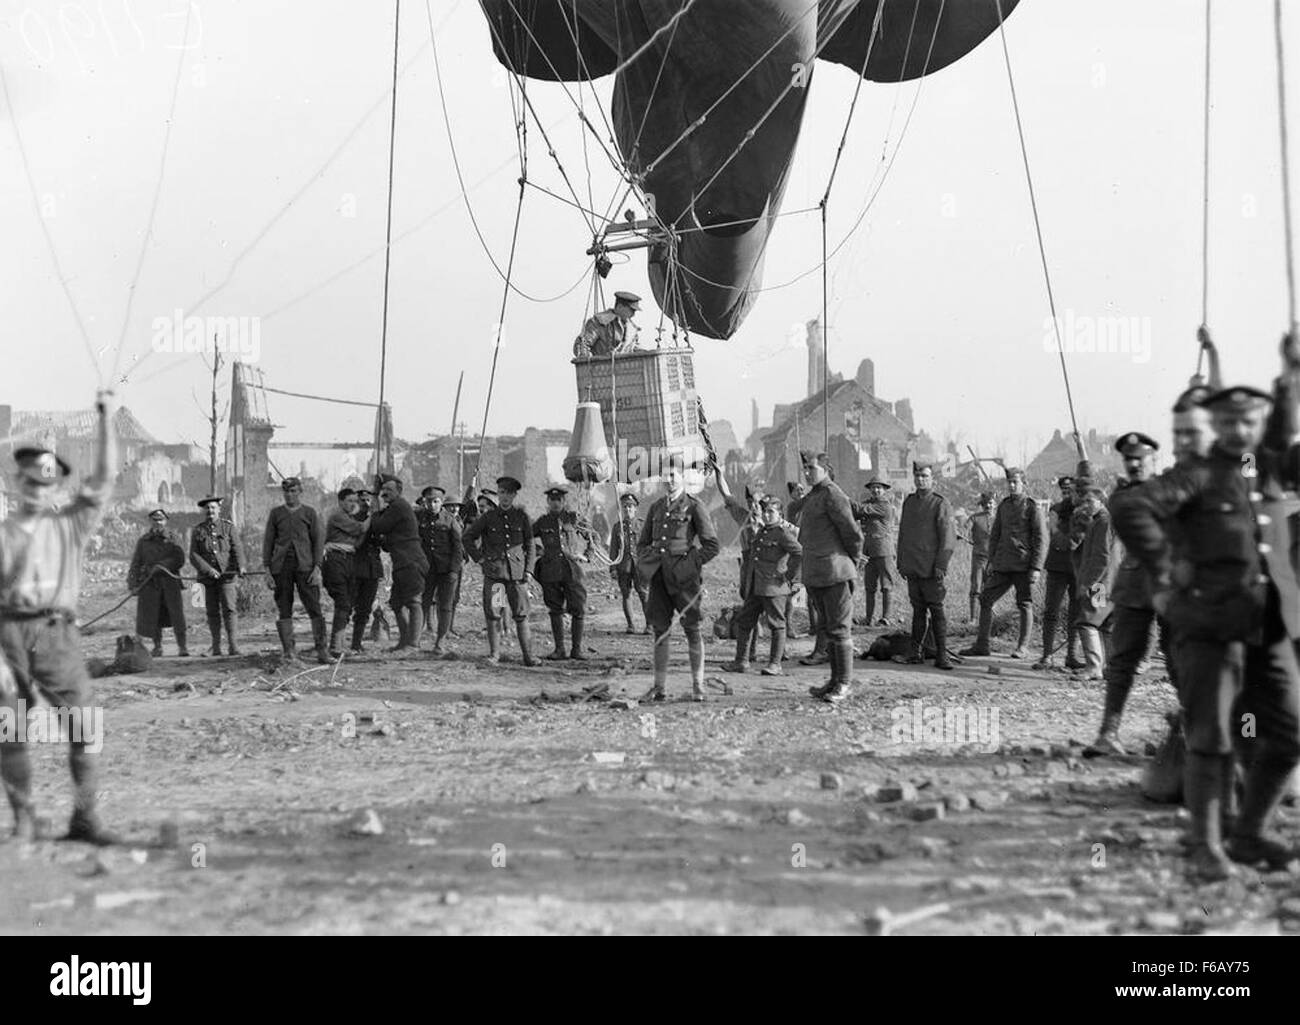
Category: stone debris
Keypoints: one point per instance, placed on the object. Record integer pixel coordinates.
(892, 792)
(831, 781)
(366, 823)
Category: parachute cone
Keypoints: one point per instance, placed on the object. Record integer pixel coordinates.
(588, 459)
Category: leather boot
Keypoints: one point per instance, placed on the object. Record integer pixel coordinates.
(1107, 742)
(84, 826)
(557, 635)
(494, 641)
(776, 652)
(157, 645)
(414, 625)
(1093, 658)
(318, 640)
(358, 635)
(695, 653)
(657, 692)
(753, 644)
(1203, 786)
(181, 650)
(231, 621)
(1026, 627)
(1266, 782)
(974, 608)
(981, 645)
(1073, 640)
(214, 628)
(870, 617)
(885, 598)
(915, 653)
(525, 643)
(576, 630)
(740, 664)
(1049, 641)
(841, 685)
(288, 650)
(818, 655)
(939, 624)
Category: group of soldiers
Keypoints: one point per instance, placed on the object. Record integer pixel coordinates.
(1200, 560)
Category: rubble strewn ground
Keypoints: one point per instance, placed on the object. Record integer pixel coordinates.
(405, 796)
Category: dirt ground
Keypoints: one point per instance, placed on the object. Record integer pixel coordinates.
(510, 804)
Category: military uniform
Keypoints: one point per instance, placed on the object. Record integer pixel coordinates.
(218, 557)
(1092, 576)
(1060, 582)
(607, 333)
(293, 548)
(1134, 616)
(1017, 551)
(367, 573)
(400, 536)
(440, 538)
(981, 528)
(771, 573)
(926, 541)
(832, 546)
(622, 565)
(1210, 534)
(155, 576)
(41, 550)
(676, 541)
(501, 542)
(343, 532)
(566, 547)
(876, 516)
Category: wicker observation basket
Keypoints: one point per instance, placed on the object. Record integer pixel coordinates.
(648, 402)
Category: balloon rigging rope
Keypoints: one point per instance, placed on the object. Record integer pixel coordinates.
(388, 248)
(1038, 230)
(1286, 173)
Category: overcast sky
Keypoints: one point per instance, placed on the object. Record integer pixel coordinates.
(941, 284)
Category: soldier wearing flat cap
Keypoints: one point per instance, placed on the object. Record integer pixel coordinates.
(1017, 552)
(981, 528)
(610, 332)
(832, 549)
(565, 542)
(367, 572)
(440, 537)
(155, 578)
(293, 549)
(218, 557)
(1060, 580)
(41, 549)
(1211, 535)
(622, 558)
(677, 540)
(501, 542)
(399, 535)
(772, 574)
(1135, 614)
(926, 541)
(875, 514)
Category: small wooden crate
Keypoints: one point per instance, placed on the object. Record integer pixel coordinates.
(647, 400)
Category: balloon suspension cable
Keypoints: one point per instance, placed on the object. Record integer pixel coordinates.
(1205, 200)
(1286, 172)
(381, 428)
(521, 127)
(1038, 231)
